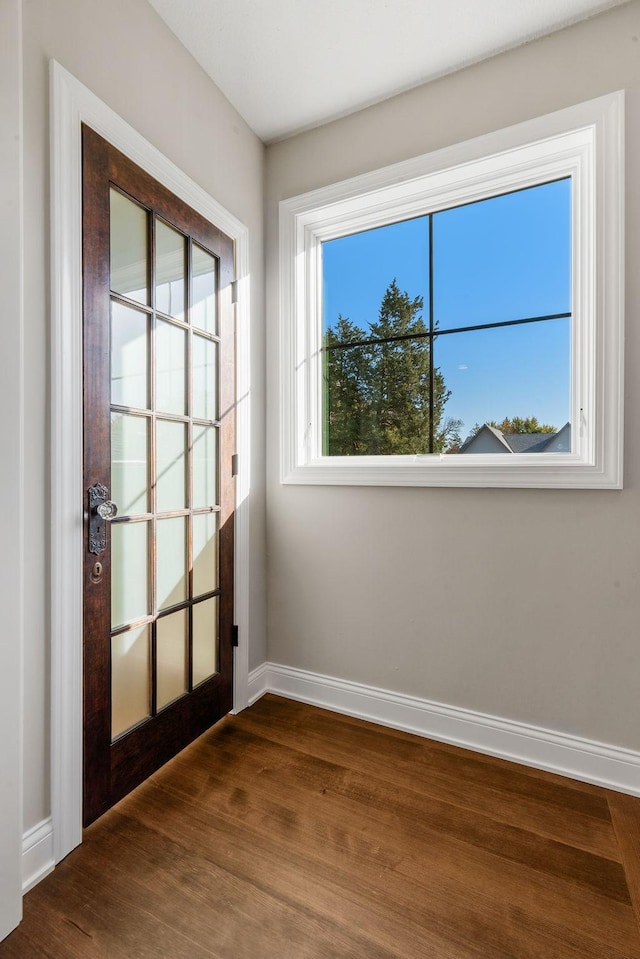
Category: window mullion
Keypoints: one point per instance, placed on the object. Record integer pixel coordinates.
(431, 338)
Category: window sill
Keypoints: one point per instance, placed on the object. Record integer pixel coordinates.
(552, 471)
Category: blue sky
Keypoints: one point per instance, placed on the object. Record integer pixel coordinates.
(502, 259)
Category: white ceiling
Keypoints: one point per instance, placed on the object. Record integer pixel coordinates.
(287, 65)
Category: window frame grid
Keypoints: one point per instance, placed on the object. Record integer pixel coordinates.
(430, 335)
(152, 416)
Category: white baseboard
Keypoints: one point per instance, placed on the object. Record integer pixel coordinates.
(259, 683)
(37, 854)
(592, 762)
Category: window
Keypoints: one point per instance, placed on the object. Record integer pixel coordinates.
(437, 325)
(465, 302)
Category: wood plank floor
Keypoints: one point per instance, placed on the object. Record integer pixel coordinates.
(289, 832)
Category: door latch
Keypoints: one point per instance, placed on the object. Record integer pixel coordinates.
(101, 509)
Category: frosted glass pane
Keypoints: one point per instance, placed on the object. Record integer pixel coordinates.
(205, 379)
(130, 463)
(205, 640)
(171, 553)
(170, 260)
(171, 392)
(205, 466)
(171, 651)
(129, 353)
(129, 572)
(203, 308)
(130, 693)
(205, 552)
(171, 441)
(129, 248)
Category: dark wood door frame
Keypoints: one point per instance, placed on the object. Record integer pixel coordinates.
(112, 770)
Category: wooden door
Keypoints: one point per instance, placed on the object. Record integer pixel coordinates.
(158, 442)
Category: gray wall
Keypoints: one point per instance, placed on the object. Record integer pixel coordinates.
(125, 54)
(520, 603)
(10, 470)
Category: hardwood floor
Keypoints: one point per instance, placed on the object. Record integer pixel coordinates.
(289, 832)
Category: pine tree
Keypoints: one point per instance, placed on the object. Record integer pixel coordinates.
(400, 377)
(378, 395)
(348, 417)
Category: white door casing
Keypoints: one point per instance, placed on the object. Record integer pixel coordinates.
(71, 105)
(11, 467)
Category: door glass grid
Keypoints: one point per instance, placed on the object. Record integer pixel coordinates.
(164, 462)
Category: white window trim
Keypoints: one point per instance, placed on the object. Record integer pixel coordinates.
(584, 142)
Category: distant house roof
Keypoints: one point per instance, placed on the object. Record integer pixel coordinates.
(527, 442)
(488, 439)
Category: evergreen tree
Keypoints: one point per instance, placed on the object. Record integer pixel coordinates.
(348, 417)
(378, 395)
